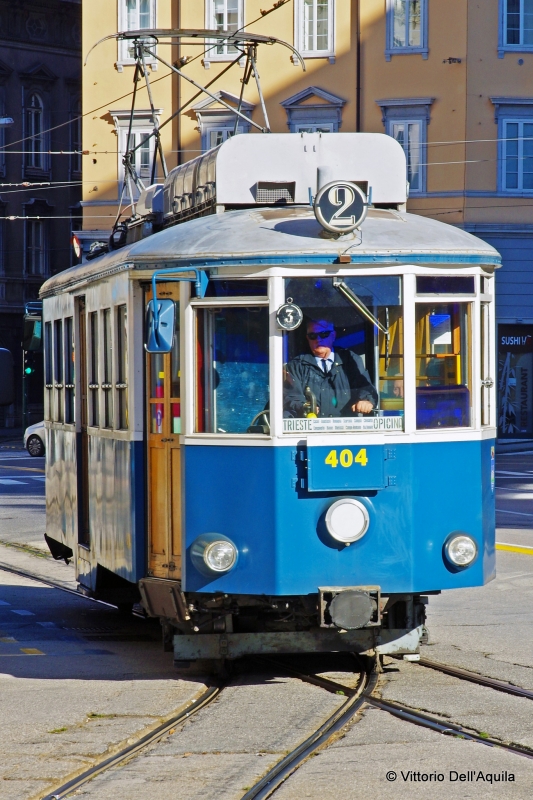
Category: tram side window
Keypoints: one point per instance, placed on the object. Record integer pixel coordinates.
(122, 352)
(69, 371)
(107, 385)
(232, 370)
(345, 360)
(93, 379)
(48, 369)
(58, 369)
(443, 365)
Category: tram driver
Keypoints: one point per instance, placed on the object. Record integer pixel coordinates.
(335, 377)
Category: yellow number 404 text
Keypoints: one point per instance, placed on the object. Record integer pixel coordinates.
(346, 458)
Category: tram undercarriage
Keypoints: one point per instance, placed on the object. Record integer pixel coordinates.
(355, 619)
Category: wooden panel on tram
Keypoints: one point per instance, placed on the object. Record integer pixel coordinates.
(164, 456)
(175, 456)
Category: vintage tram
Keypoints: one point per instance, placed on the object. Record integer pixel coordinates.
(184, 473)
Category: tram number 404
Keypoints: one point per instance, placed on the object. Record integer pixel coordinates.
(346, 458)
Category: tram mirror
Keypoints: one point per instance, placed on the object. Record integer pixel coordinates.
(7, 384)
(160, 330)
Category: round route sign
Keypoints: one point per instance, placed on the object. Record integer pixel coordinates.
(340, 206)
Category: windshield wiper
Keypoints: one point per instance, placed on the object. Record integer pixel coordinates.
(356, 301)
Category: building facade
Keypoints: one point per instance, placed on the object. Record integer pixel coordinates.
(459, 98)
(322, 98)
(40, 176)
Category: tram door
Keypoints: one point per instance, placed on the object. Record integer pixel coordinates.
(163, 378)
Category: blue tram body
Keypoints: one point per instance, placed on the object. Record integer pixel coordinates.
(276, 525)
(190, 478)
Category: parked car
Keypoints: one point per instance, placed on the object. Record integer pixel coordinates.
(34, 439)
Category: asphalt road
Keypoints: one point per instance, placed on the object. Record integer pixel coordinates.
(22, 503)
(514, 498)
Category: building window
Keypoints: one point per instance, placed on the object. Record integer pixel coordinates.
(2, 133)
(314, 24)
(323, 128)
(406, 27)
(223, 15)
(75, 137)
(140, 141)
(36, 247)
(134, 15)
(314, 110)
(406, 120)
(517, 161)
(217, 123)
(518, 22)
(35, 157)
(514, 117)
(142, 145)
(408, 133)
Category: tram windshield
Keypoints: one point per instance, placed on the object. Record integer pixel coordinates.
(232, 370)
(343, 367)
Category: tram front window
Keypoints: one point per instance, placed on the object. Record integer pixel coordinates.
(232, 370)
(343, 367)
(443, 369)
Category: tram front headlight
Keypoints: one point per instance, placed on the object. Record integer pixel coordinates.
(347, 520)
(213, 553)
(461, 550)
(220, 556)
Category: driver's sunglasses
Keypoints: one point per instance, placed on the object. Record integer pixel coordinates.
(319, 335)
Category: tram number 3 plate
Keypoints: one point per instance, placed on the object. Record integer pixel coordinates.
(346, 458)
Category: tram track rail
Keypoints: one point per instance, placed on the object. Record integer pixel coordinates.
(357, 697)
(71, 785)
(360, 697)
(474, 677)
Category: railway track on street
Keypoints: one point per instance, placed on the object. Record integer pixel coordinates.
(356, 700)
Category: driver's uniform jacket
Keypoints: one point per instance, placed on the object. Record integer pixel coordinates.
(336, 391)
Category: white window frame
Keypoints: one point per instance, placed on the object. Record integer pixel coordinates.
(391, 49)
(299, 31)
(325, 127)
(124, 58)
(225, 130)
(391, 122)
(143, 125)
(210, 24)
(520, 121)
(503, 45)
(137, 130)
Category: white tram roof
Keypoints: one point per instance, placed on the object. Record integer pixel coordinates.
(286, 236)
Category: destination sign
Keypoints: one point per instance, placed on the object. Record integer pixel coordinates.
(343, 424)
